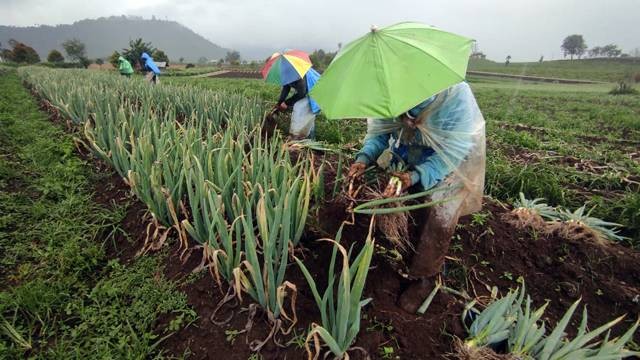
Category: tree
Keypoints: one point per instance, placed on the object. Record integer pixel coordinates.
(221, 62)
(573, 45)
(135, 50)
(181, 60)
(202, 60)
(611, 50)
(75, 50)
(321, 59)
(595, 51)
(21, 53)
(55, 56)
(99, 61)
(6, 54)
(159, 55)
(507, 60)
(233, 57)
(113, 59)
(541, 59)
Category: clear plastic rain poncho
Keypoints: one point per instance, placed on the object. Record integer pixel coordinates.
(449, 142)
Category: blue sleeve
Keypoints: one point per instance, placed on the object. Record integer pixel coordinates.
(435, 168)
(372, 148)
(430, 172)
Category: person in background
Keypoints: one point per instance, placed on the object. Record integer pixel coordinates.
(302, 125)
(441, 142)
(124, 67)
(152, 71)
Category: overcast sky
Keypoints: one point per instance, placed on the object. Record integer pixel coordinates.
(524, 29)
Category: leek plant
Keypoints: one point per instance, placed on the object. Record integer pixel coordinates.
(507, 319)
(373, 207)
(602, 230)
(536, 207)
(198, 161)
(341, 303)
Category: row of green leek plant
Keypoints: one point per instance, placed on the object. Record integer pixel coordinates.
(75, 93)
(198, 161)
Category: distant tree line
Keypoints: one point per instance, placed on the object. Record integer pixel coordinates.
(19, 53)
(575, 45)
(321, 59)
(609, 51)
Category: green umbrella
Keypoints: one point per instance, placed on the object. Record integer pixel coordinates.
(389, 71)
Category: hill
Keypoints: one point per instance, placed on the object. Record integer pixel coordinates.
(584, 69)
(104, 35)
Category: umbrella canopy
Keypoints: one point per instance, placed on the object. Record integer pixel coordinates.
(388, 71)
(282, 69)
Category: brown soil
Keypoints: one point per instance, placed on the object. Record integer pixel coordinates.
(239, 75)
(555, 269)
(481, 255)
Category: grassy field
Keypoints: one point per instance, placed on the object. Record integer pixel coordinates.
(198, 70)
(609, 70)
(571, 144)
(61, 295)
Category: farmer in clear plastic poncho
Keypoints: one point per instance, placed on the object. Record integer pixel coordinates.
(442, 140)
(152, 71)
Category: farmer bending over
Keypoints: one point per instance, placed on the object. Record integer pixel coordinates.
(152, 71)
(304, 108)
(442, 142)
(124, 67)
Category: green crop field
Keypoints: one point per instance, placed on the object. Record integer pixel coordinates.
(581, 147)
(607, 70)
(164, 222)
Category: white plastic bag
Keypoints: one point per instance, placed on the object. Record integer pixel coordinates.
(302, 119)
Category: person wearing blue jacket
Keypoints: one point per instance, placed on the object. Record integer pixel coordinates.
(304, 112)
(150, 68)
(440, 144)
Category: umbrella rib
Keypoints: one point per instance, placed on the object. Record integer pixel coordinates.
(385, 75)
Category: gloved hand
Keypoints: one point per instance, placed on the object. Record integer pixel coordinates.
(398, 184)
(356, 170)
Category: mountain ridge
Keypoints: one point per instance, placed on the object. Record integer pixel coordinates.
(105, 34)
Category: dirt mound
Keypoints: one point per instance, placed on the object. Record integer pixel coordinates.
(238, 75)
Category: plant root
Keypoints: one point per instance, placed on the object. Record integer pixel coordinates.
(522, 218)
(576, 231)
(395, 228)
(464, 352)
